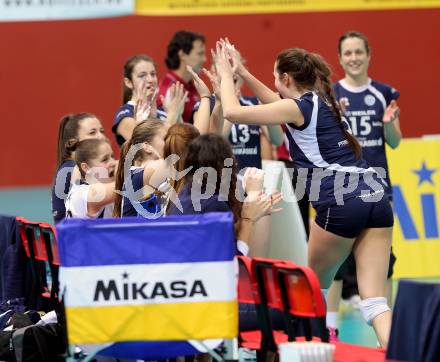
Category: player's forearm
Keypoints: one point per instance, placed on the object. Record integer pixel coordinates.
(276, 135)
(393, 134)
(245, 231)
(230, 103)
(173, 117)
(216, 121)
(260, 90)
(202, 116)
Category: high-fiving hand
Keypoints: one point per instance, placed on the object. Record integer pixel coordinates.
(174, 100)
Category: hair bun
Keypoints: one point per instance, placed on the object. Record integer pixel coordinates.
(72, 144)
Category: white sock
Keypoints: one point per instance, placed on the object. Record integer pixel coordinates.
(332, 319)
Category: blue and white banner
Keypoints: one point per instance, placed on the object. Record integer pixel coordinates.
(142, 288)
(29, 10)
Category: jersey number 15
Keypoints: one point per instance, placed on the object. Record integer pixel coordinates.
(364, 123)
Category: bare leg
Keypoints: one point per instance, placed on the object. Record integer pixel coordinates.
(372, 254)
(389, 292)
(326, 253)
(334, 296)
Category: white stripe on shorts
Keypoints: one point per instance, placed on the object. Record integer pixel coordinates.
(328, 216)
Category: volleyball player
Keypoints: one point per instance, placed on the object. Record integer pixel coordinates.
(149, 138)
(371, 110)
(93, 196)
(73, 128)
(245, 140)
(140, 79)
(351, 212)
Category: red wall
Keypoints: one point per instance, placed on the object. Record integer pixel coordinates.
(48, 69)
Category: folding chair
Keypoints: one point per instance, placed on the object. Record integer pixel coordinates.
(247, 293)
(247, 339)
(36, 254)
(48, 236)
(301, 297)
(268, 297)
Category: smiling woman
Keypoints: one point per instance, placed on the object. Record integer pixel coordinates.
(93, 197)
(73, 128)
(371, 111)
(139, 75)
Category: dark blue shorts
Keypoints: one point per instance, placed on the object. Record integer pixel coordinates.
(355, 215)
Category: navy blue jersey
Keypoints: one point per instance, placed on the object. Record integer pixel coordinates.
(127, 110)
(319, 148)
(211, 204)
(244, 138)
(60, 189)
(365, 110)
(151, 204)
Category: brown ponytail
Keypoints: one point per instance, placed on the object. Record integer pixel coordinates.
(143, 132)
(310, 71)
(119, 178)
(325, 90)
(68, 135)
(176, 143)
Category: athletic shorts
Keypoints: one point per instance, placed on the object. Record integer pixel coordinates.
(348, 268)
(348, 220)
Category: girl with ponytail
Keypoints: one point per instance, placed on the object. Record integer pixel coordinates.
(351, 212)
(140, 81)
(141, 170)
(73, 128)
(152, 180)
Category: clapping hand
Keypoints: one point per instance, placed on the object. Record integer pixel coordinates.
(392, 112)
(253, 180)
(145, 100)
(260, 206)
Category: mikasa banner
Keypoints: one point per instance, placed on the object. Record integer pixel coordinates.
(135, 279)
(28, 10)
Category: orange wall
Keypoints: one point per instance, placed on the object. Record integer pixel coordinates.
(48, 69)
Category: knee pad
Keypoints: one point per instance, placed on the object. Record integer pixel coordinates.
(372, 307)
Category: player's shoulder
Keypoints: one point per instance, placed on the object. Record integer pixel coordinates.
(126, 110)
(382, 87)
(337, 86)
(388, 91)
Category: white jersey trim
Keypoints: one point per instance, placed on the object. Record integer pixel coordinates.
(307, 140)
(378, 94)
(354, 89)
(246, 101)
